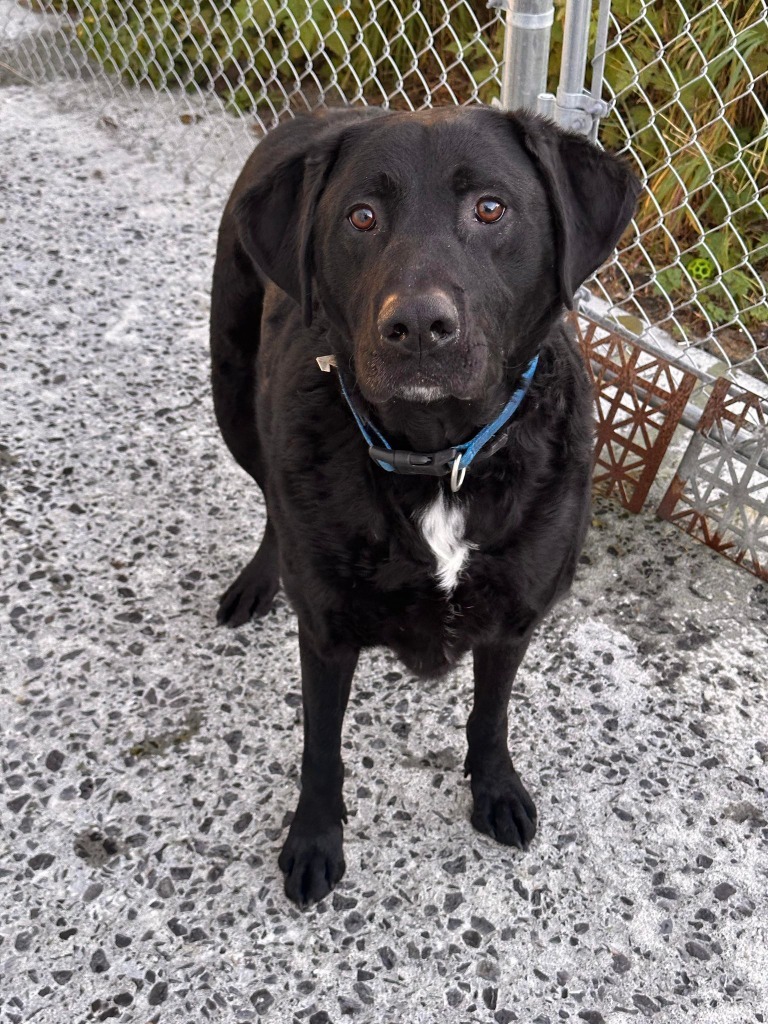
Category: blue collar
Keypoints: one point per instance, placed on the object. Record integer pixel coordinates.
(455, 460)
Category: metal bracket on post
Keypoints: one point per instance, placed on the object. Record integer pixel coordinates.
(545, 104)
(579, 111)
(575, 108)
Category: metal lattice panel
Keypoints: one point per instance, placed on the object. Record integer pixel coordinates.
(639, 400)
(720, 491)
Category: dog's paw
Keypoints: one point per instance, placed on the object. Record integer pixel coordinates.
(251, 595)
(503, 809)
(312, 862)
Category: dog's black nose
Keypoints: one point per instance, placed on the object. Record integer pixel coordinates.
(419, 323)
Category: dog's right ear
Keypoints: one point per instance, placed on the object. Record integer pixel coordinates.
(279, 192)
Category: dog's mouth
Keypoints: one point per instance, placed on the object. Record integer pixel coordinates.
(458, 374)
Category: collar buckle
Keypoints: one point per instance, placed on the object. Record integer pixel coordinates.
(414, 463)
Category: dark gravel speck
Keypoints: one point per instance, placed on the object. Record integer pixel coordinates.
(457, 866)
(697, 950)
(354, 922)
(99, 962)
(645, 1005)
(54, 760)
(620, 963)
(41, 861)
(262, 1000)
(724, 890)
(158, 993)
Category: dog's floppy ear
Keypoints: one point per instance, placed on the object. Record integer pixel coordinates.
(275, 212)
(592, 196)
(275, 198)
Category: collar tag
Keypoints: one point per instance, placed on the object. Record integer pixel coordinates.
(326, 362)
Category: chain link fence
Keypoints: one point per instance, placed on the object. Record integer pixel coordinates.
(266, 59)
(688, 85)
(680, 87)
(687, 82)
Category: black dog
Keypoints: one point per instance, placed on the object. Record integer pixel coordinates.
(432, 254)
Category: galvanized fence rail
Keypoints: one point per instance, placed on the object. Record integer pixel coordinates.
(680, 87)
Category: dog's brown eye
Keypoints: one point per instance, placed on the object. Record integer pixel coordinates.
(489, 210)
(363, 218)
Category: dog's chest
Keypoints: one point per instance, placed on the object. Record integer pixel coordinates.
(442, 523)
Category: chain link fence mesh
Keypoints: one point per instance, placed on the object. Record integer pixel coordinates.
(688, 84)
(687, 81)
(269, 58)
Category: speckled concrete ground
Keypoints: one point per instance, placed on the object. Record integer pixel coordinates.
(151, 759)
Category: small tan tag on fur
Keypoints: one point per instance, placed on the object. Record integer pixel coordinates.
(326, 362)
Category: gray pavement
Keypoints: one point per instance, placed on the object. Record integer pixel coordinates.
(150, 758)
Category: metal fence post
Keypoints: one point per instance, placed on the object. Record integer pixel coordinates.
(575, 108)
(526, 52)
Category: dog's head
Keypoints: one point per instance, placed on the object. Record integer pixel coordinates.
(441, 245)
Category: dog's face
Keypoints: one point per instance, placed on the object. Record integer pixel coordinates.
(441, 244)
(430, 239)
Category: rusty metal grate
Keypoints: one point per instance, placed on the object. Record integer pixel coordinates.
(639, 398)
(720, 491)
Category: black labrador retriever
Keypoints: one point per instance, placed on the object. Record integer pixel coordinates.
(430, 491)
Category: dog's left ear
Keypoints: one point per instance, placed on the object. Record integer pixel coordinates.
(592, 195)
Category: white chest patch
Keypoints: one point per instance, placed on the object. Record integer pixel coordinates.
(442, 526)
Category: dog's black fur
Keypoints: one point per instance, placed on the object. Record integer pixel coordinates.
(294, 279)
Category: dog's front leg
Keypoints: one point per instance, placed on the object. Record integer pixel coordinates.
(502, 807)
(312, 857)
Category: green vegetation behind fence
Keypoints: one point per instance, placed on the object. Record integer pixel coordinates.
(689, 80)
